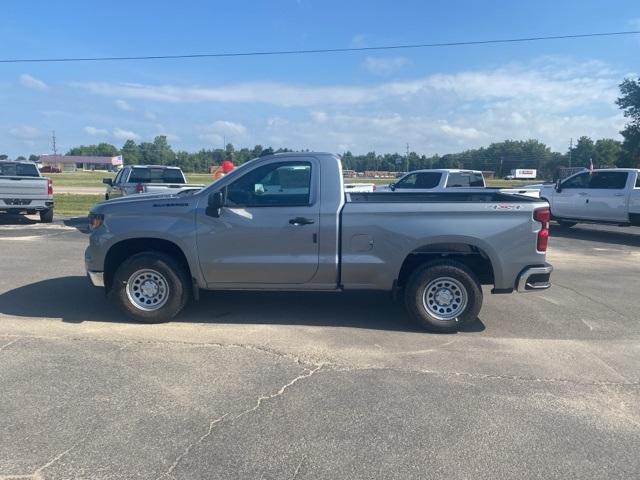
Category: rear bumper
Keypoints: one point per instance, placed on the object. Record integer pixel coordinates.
(22, 205)
(534, 278)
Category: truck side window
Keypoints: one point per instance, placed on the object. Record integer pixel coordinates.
(608, 180)
(638, 181)
(275, 184)
(425, 180)
(465, 179)
(579, 181)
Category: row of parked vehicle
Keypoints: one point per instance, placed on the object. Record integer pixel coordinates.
(599, 196)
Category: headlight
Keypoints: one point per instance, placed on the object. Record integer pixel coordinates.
(95, 221)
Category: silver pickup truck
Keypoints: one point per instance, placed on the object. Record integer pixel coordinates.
(147, 179)
(284, 222)
(24, 190)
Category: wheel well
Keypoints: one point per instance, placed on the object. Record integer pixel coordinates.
(119, 252)
(472, 257)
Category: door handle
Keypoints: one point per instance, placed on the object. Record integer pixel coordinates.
(298, 221)
(583, 194)
(619, 195)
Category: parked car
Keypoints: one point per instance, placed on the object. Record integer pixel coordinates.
(146, 179)
(304, 233)
(610, 195)
(24, 190)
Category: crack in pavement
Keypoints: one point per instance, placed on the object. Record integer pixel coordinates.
(213, 423)
(603, 304)
(37, 474)
(492, 376)
(297, 470)
(9, 344)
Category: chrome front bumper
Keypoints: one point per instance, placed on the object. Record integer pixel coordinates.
(97, 278)
(535, 278)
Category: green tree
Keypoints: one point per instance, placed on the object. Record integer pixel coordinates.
(100, 150)
(629, 102)
(4, 157)
(34, 158)
(583, 152)
(130, 153)
(607, 152)
(21, 158)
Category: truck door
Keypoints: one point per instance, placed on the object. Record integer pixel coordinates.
(267, 231)
(607, 199)
(570, 202)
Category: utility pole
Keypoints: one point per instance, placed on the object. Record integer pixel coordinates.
(407, 169)
(570, 150)
(53, 141)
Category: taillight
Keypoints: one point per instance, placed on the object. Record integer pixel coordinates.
(542, 215)
(139, 188)
(49, 187)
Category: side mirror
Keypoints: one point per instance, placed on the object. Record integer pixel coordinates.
(215, 204)
(392, 186)
(108, 181)
(558, 185)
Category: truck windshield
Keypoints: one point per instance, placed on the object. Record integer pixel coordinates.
(10, 169)
(156, 175)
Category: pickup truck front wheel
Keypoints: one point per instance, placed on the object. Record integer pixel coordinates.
(150, 287)
(442, 296)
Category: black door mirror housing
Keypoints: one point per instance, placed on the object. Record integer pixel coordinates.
(558, 185)
(108, 181)
(215, 204)
(392, 186)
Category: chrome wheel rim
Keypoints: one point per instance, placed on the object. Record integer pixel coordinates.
(445, 298)
(147, 290)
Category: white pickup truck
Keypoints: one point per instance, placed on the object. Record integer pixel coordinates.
(24, 190)
(610, 195)
(440, 180)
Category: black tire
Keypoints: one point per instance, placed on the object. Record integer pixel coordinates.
(566, 223)
(46, 216)
(421, 307)
(173, 274)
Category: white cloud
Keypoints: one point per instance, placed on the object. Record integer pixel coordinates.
(24, 132)
(513, 82)
(95, 131)
(123, 105)
(218, 131)
(122, 134)
(549, 98)
(150, 115)
(384, 65)
(33, 83)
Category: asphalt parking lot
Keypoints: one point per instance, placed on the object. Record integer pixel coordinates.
(271, 386)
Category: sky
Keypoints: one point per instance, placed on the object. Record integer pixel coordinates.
(437, 100)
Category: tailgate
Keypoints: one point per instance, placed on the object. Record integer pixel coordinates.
(24, 187)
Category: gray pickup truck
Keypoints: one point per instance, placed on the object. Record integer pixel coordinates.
(284, 222)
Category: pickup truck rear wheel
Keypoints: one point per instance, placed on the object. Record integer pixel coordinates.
(150, 287)
(443, 295)
(46, 216)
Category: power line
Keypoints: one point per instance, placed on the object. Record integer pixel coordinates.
(318, 50)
